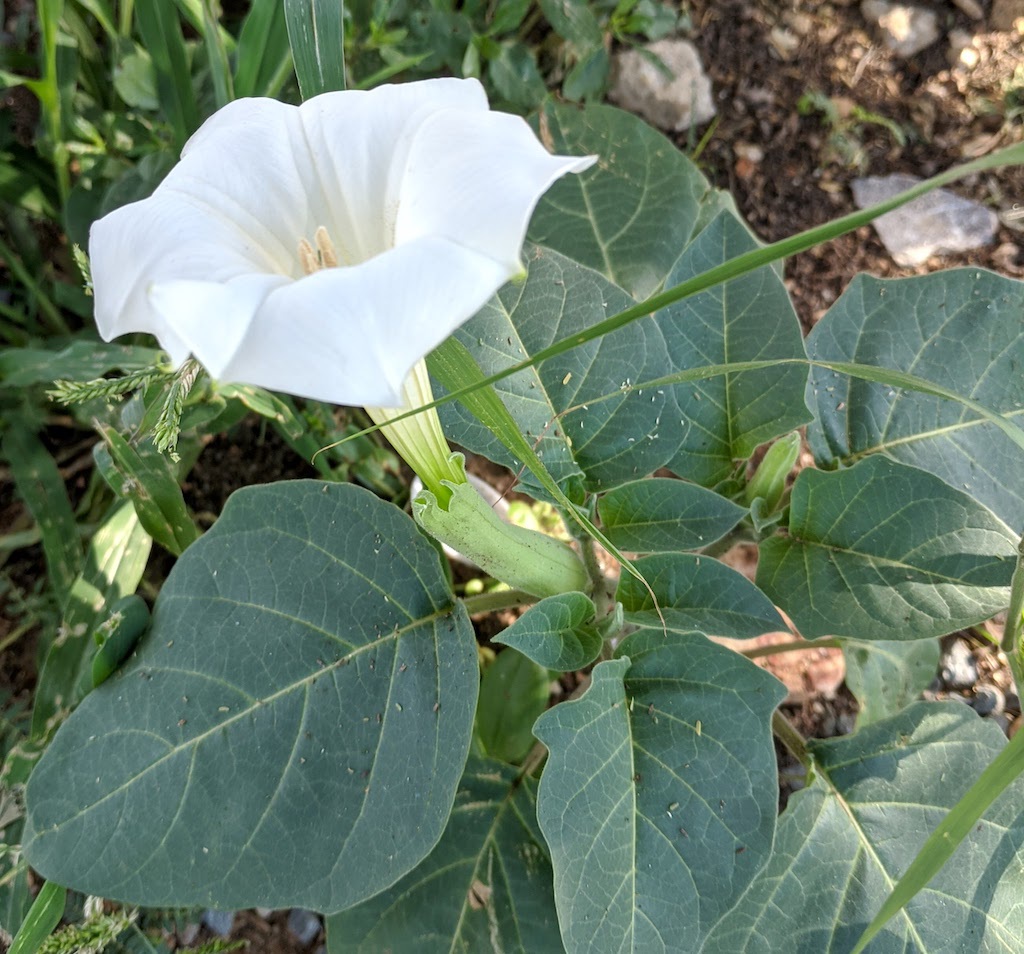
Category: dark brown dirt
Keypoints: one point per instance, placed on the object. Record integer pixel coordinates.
(763, 57)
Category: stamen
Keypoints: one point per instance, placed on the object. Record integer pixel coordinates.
(308, 257)
(324, 245)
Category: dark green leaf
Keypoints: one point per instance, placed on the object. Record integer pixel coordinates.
(113, 567)
(887, 676)
(630, 216)
(553, 633)
(886, 551)
(658, 801)
(961, 329)
(610, 442)
(573, 20)
(146, 477)
(843, 842)
(747, 319)
(160, 30)
(515, 75)
(513, 692)
(696, 593)
(486, 886)
(41, 487)
(589, 77)
(262, 48)
(663, 515)
(292, 729)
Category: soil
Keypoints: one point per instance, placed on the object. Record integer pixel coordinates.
(788, 171)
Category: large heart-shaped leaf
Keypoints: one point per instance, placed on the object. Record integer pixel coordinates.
(485, 887)
(747, 319)
(659, 798)
(844, 842)
(961, 329)
(886, 551)
(611, 442)
(631, 215)
(306, 663)
(696, 593)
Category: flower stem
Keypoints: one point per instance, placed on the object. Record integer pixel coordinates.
(1011, 644)
(496, 600)
(786, 733)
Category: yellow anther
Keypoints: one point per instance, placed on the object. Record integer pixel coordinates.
(324, 245)
(308, 257)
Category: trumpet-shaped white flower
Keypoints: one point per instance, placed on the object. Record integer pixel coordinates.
(323, 249)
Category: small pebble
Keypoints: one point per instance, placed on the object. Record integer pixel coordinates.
(988, 700)
(958, 668)
(305, 925)
(220, 922)
(188, 934)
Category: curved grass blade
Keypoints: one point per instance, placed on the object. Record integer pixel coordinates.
(42, 918)
(316, 35)
(1001, 772)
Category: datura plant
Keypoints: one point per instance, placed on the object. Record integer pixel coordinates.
(305, 723)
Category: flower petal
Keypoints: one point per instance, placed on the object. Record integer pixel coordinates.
(360, 174)
(475, 179)
(350, 335)
(212, 318)
(157, 240)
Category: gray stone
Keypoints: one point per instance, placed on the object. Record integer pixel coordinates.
(220, 922)
(673, 98)
(988, 700)
(933, 224)
(957, 666)
(305, 925)
(905, 29)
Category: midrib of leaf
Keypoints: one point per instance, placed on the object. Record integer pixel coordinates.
(867, 845)
(925, 435)
(886, 561)
(488, 842)
(197, 740)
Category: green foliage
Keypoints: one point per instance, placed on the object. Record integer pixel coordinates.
(294, 727)
(844, 841)
(265, 682)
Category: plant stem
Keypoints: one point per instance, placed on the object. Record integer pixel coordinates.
(785, 732)
(792, 647)
(1011, 644)
(496, 600)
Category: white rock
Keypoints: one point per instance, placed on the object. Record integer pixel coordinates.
(905, 29)
(933, 224)
(676, 99)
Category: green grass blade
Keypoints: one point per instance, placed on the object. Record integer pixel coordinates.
(217, 56)
(952, 830)
(42, 918)
(748, 262)
(160, 30)
(262, 48)
(42, 488)
(316, 35)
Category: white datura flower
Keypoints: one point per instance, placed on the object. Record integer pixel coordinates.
(323, 249)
